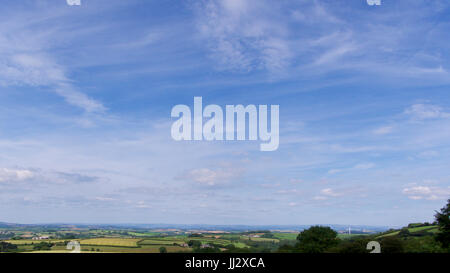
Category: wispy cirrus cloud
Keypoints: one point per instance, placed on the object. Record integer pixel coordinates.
(250, 36)
(426, 111)
(26, 59)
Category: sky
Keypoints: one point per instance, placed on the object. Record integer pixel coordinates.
(86, 94)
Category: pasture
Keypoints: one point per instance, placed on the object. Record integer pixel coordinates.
(121, 242)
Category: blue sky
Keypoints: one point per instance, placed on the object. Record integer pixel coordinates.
(86, 95)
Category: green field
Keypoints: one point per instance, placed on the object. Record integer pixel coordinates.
(426, 229)
(416, 239)
(259, 239)
(286, 236)
(160, 242)
(348, 236)
(121, 242)
(144, 234)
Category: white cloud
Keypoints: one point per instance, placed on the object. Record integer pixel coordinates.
(364, 166)
(426, 111)
(334, 54)
(428, 154)
(142, 205)
(361, 166)
(290, 191)
(206, 176)
(383, 130)
(295, 180)
(11, 175)
(333, 171)
(330, 192)
(101, 198)
(428, 193)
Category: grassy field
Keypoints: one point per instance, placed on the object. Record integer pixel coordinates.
(111, 249)
(121, 242)
(427, 229)
(32, 242)
(259, 239)
(144, 234)
(160, 242)
(348, 236)
(285, 236)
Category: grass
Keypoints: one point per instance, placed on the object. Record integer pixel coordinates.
(141, 249)
(144, 234)
(34, 242)
(433, 230)
(428, 229)
(388, 234)
(121, 242)
(285, 236)
(114, 249)
(240, 245)
(417, 229)
(259, 239)
(348, 236)
(159, 242)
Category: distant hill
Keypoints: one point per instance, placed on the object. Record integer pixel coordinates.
(413, 230)
(355, 228)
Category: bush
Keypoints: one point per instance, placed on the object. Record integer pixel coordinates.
(162, 250)
(7, 247)
(43, 246)
(391, 244)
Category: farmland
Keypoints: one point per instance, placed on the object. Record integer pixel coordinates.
(122, 242)
(115, 240)
(109, 239)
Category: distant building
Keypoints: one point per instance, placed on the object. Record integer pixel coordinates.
(40, 238)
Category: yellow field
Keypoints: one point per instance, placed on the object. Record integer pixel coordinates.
(116, 249)
(29, 242)
(125, 242)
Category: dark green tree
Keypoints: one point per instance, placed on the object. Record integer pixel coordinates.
(442, 219)
(404, 233)
(357, 245)
(317, 239)
(194, 243)
(392, 244)
(162, 250)
(7, 247)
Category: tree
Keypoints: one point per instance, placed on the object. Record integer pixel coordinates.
(268, 235)
(194, 243)
(442, 219)
(43, 246)
(404, 233)
(162, 250)
(285, 248)
(391, 244)
(357, 245)
(7, 247)
(316, 239)
(193, 235)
